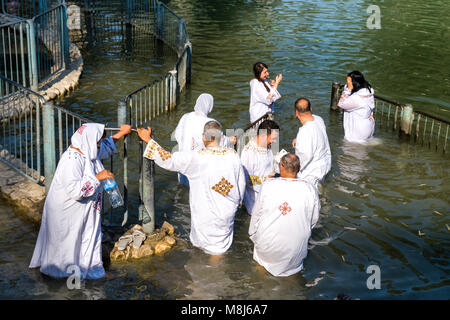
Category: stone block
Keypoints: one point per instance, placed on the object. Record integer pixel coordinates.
(168, 228)
(162, 247)
(170, 241)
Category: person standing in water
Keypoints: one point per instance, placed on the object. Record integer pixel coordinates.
(262, 95)
(357, 101)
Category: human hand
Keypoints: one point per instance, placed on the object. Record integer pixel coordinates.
(349, 83)
(278, 79)
(272, 82)
(145, 134)
(294, 141)
(124, 130)
(104, 174)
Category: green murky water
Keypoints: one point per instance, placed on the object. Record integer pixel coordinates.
(375, 200)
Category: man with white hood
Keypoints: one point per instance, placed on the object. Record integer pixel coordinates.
(188, 132)
(285, 212)
(217, 186)
(70, 233)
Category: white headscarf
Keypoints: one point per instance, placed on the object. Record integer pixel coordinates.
(204, 104)
(86, 138)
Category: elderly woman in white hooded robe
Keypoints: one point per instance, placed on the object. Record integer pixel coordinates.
(70, 233)
(188, 132)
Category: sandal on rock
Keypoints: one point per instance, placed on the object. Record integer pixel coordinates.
(138, 238)
(124, 241)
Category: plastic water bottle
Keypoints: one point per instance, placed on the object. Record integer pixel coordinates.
(111, 188)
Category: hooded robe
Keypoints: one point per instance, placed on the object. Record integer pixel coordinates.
(70, 233)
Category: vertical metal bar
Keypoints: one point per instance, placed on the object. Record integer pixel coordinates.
(446, 137)
(32, 53)
(438, 135)
(122, 119)
(417, 127)
(60, 133)
(49, 143)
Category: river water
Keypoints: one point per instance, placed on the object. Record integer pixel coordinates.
(384, 204)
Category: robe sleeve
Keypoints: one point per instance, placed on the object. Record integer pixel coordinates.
(179, 130)
(316, 209)
(241, 183)
(305, 152)
(256, 214)
(78, 183)
(348, 101)
(178, 161)
(107, 148)
(260, 94)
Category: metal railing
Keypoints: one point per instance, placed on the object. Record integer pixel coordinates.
(34, 50)
(34, 134)
(420, 126)
(158, 96)
(249, 132)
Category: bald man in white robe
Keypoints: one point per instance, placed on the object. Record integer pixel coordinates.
(217, 186)
(286, 211)
(311, 144)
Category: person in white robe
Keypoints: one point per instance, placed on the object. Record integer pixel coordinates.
(357, 101)
(311, 144)
(257, 161)
(70, 233)
(262, 94)
(188, 132)
(286, 210)
(217, 186)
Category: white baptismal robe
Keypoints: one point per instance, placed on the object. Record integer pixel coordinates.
(258, 164)
(259, 102)
(284, 214)
(70, 233)
(358, 107)
(217, 186)
(313, 149)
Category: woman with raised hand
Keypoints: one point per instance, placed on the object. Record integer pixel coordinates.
(357, 101)
(262, 94)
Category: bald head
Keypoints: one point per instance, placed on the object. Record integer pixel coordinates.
(289, 165)
(303, 105)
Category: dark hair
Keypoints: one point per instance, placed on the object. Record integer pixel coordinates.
(267, 126)
(291, 163)
(212, 130)
(359, 82)
(300, 108)
(257, 70)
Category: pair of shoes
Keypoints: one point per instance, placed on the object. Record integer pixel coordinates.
(137, 237)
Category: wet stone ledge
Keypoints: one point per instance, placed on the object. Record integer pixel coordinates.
(26, 195)
(66, 80)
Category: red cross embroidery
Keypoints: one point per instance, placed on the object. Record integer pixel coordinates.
(284, 208)
(81, 129)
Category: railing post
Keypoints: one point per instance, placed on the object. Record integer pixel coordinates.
(173, 88)
(122, 119)
(335, 96)
(189, 62)
(33, 56)
(147, 208)
(406, 119)
(48, 127)
(65, 38)
(159, 20)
